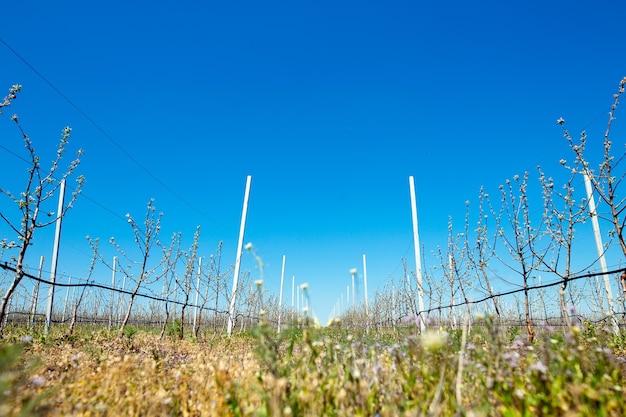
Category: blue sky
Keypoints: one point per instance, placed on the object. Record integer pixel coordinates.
(330, 106)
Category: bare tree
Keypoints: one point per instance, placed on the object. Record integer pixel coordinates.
(77, 303)
(213, 275)
(519, 236)
(171, 255)
(605, 181)
(145, 238)
(41, 185)
(186, 283)
(562, 212)
(609, 175)
(480, 252)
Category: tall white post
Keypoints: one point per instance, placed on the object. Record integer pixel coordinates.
(293, 289)
(242, 228)
(600, 250)
(35, 299)
(418, 257)
(195, 316)
(393, 304)
(452, 294)
(112, 291)
(55, 256)
(353, 274)
(67, 296)
(365, 282)
(123, 297)
(341, 310)
(280, 296)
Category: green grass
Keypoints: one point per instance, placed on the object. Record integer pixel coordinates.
(308, 371)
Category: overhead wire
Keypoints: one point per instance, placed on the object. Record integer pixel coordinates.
(110, 138)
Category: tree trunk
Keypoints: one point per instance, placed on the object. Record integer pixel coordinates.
(19, 275)
(130, 307)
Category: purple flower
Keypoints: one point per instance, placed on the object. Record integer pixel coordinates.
(539, 367)
(512, 358)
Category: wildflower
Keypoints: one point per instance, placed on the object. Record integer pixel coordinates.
(305, 309)
(38, 381)
(434, 340)
(560, 121)
(512, 358)
(248, 246)
(258, 282)
(414, 319)
(539, 367)
(353, 271)
(304, 286)
(27, 339)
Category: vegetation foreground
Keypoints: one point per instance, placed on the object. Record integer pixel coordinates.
(482, 370)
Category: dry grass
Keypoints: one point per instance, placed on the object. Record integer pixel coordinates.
(317, 372)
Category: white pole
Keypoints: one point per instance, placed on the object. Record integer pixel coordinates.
(195, 316)
(353, 273)
(123, 297)
(35, 300)
(298, 291)
(67, 294)
(600, 250)
(112, 291)
(418, 257)
(55, 256)
(393, 304)
(293, 289)
(341, 305)
(242, 228)
(348, 296)
(453, 294)
(280, 296)
(365, 282)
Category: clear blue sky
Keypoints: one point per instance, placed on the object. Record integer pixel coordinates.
(330, 106)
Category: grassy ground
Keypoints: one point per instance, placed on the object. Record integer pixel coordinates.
(483, 371)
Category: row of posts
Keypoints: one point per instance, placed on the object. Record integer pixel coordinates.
(57, 235)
